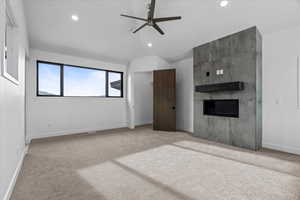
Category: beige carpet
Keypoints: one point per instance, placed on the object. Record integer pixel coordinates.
(147, 165)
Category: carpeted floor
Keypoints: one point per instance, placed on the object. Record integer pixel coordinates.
(147, 165)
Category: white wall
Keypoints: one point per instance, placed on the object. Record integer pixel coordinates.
(148, 63)
(143, 98)
(281, 116)
(51, 116)
(12, 133)
(185, 95)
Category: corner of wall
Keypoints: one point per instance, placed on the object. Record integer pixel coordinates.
(16, 173)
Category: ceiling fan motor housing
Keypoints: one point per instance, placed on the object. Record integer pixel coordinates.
(151, 21)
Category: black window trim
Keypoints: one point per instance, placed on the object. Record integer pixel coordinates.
(62, 80)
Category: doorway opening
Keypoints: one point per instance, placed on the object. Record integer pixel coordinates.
(143, 98)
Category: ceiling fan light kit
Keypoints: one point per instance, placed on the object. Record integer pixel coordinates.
(151, 21)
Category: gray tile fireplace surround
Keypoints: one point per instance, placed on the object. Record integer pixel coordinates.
(240, 57)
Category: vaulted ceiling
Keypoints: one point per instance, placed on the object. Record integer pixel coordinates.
(102, 34)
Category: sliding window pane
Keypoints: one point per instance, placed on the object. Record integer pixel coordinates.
(48, 79)
(115, 84)
(84, 82)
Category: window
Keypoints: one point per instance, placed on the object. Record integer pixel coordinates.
(74, 81)
(10, 57)
(114, 84)
(6, 44)
(84, 82)
(49, 80)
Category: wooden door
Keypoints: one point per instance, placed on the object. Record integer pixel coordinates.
(164, 93)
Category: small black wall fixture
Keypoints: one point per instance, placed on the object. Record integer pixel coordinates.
(230, 86)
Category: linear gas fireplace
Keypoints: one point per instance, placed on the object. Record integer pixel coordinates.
(224, 108)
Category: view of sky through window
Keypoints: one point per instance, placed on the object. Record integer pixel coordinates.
(114, 84)
(83, 82)
(77, 81)
(49, 79)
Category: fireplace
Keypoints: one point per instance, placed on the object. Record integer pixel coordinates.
(224, 108)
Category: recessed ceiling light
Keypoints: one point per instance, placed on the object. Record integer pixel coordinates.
(149, 44)
(75, 17)
(224, 3)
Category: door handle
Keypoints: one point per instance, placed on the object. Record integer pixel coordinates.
(173, 107)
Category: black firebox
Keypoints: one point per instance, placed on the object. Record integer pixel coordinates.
(224, 108)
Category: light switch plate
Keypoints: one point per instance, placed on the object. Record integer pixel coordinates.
(220, 72)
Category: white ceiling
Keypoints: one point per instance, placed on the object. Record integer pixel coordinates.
(102, 34)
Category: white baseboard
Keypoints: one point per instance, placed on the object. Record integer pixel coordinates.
(15, 176)
(292, 150)
(75, 131)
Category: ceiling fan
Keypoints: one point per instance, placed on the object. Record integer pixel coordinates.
(151, 21)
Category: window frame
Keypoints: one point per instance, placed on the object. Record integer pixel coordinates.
(62, 80)
(107, 83)
(10, 54)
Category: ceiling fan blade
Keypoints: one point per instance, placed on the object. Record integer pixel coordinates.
(132, 17)
(140, 28)
(158, 29)
(164, 19)
(152, 8)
